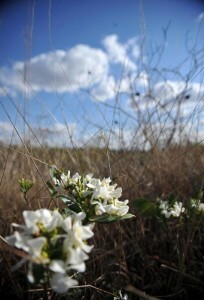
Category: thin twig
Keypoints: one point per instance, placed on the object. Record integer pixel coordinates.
(130, 288)
(183, 274)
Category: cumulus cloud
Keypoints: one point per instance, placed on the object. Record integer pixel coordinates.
(80, 67)
(106, 89)
(173, 110)
(118, 53)
(166, 100)
(5, 91)
(133, 47)
(64, 71)
(86, 67)
(167, 90)
(142, 79)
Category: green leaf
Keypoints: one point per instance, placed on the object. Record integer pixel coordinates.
(127, 216)
(147, 207)
(54, 172)
(105, 218)
(66, 199)
(52, 190)
(65, 212)
(71, 203)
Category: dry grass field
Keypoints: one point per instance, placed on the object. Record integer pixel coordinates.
(138, 256)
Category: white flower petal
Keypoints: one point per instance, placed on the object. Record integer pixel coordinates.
(201, 207)
(60, 283)
(19, 240)
(36, 246)
(56, 221)
(30, 276)
(58, 266)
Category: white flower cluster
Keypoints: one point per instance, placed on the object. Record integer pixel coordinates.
(198, 205)
(170, 211)
(56, 243)
(100, 193)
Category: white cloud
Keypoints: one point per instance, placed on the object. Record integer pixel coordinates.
(106, 89)
(124, 85)
(80, 67)
(10, 81)
(64, 71)
(5, 91)
(7, 133)
(142, 79)
(167, 90)
(5, 128)
(56, 135)
(132, 44)
(109, 87)
(118, 53)
(85, 67)
(166, 100)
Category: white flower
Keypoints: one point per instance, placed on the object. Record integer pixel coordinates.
(76, 258)
(118, 208)
(18, 240)
(170, 211)
(166, 213)
(89, 191)
(105, 198)
(103, 189)
(74, 246)
(75, 178)
(201, 207)
(163, 205)
(99, 208)
(60, 283)
(35, 247)
(87, 179)
(43, 217)
(56, 243)
(197, 204)
(177, 209)
(58, 266)
(65, 178)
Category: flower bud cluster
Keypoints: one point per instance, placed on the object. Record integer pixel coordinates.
(93, 192)
(56, 243)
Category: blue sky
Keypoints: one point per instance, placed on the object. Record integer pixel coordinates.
(62, 64)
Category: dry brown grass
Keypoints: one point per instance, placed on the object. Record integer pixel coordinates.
(135, 255)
